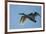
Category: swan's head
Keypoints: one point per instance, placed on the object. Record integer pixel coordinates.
(37, 13)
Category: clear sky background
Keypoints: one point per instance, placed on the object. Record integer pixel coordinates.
(15, 17)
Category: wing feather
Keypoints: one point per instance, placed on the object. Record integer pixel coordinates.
(23, 18)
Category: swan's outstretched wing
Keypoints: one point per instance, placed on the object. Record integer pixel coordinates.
(30, 14)
(23, 18)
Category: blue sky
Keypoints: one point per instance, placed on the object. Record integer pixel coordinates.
(27, 9)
